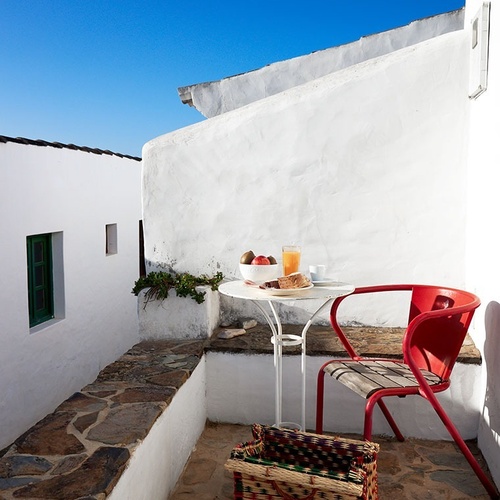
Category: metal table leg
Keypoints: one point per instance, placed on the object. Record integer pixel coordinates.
(279, 340)
(303, 360)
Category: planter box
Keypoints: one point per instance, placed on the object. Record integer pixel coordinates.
(178, 317)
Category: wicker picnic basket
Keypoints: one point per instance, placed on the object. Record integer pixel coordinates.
(286, 464)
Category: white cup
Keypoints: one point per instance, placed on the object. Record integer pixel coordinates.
(317, 272)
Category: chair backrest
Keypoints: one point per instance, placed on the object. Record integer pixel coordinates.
(438, 323)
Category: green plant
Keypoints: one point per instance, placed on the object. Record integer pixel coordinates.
(184, 284)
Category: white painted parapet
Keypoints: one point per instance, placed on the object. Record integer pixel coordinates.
(215, 98)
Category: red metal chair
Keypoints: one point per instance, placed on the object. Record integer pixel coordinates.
(438, 322)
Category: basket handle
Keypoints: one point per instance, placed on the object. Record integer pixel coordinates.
(286, 496)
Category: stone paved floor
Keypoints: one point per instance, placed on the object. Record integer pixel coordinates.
(413, 470)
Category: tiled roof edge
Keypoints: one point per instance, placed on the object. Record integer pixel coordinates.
(39, 142)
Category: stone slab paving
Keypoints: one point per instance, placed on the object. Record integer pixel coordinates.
(415, 469)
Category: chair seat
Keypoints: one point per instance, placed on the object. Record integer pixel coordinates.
(367, 377)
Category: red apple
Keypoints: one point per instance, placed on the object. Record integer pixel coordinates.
(261, 260)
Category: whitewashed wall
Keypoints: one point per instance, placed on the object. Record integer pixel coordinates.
(483, 236)
(157, 463)
(45, 190)
(364, 168)
(247, 396)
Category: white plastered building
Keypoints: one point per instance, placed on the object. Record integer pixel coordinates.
(88, 203)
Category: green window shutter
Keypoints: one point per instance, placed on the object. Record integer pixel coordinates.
(40, 288)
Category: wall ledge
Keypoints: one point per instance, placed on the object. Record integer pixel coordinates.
(84, 446)
(322, 341)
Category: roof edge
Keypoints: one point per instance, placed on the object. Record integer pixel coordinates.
(59, 145)
(217, 97)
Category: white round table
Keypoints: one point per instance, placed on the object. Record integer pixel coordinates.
(326, 293)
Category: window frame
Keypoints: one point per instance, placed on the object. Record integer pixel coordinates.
(40, 267)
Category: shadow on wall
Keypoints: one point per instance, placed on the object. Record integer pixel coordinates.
(491, 357)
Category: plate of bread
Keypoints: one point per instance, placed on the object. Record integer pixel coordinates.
(287, 285)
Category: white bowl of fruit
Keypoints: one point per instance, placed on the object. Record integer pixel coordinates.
(258, 268)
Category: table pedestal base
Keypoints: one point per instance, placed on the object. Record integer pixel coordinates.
(280, 339)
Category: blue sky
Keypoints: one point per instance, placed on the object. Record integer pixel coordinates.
(105, 73)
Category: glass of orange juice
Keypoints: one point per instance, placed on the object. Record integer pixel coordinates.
(291, 259)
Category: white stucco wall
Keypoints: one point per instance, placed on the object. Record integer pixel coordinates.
(483, 237)
(214, 98)
(364, 168)
(47, 190)
(178, 317)
(157, 463)
(240, 389)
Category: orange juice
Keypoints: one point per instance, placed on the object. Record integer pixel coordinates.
(291, 259)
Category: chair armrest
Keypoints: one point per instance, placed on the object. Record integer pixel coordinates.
(357, 291)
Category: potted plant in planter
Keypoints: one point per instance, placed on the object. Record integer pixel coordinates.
(176, 317)
(159, 283)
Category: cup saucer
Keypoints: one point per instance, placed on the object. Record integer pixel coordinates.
(324, 282)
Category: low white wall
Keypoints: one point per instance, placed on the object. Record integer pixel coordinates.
(75, 193)
(240, 389)
(159, 460)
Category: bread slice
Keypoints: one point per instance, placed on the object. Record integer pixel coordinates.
(294, 280)
(271, 284)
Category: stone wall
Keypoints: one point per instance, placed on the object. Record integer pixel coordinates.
(128, 434)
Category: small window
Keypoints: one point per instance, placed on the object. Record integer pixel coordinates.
(142, 260)
(475, 32)
(40, 284)
(111, 239)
